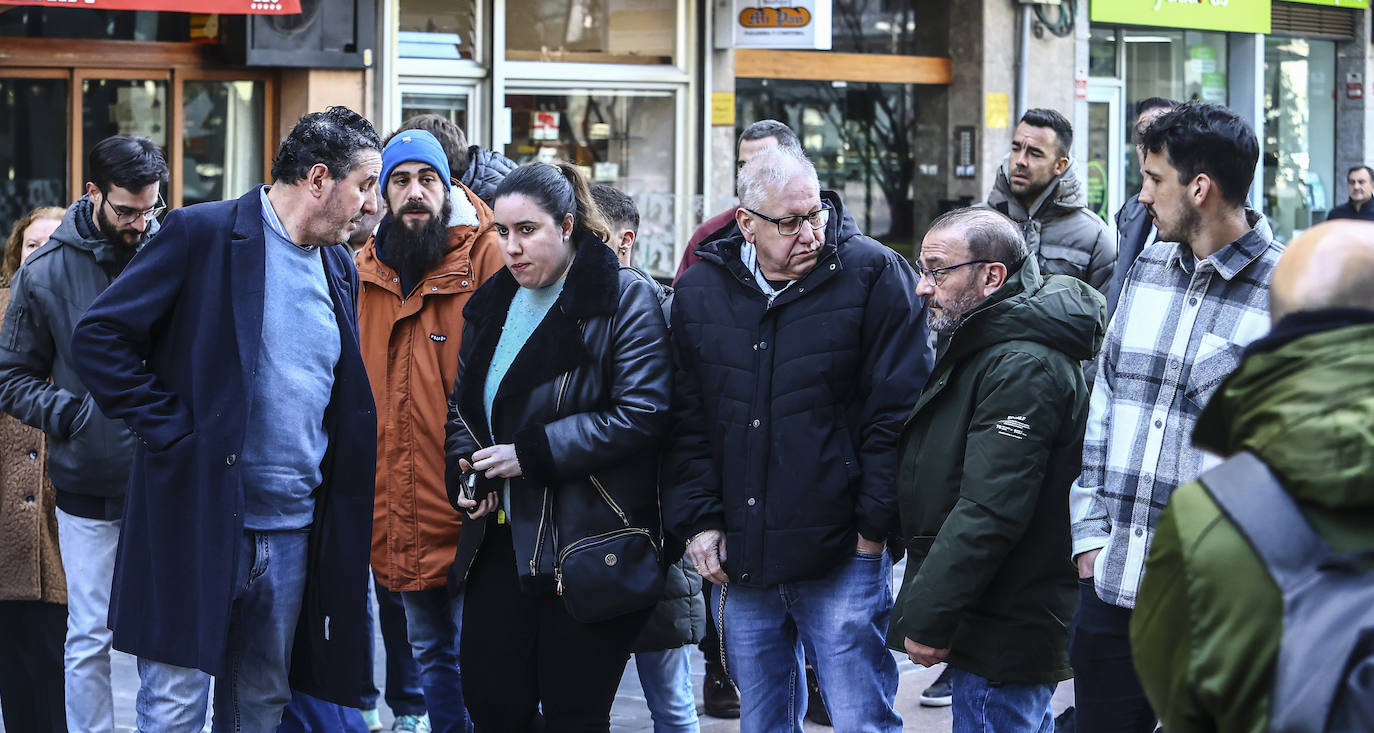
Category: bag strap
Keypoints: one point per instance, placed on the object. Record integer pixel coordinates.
(1252, 497)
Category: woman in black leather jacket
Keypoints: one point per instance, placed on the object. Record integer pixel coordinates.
(560, 405)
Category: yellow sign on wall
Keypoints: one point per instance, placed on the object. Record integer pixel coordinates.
(997, 110)
(723, 108)
(1237, 16)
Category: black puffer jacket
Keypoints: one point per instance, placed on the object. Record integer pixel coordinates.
(486, 169)
(787, 416)
(88, 453)
(585, 403)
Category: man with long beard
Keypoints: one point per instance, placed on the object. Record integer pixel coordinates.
(88, 454)
(429, 255)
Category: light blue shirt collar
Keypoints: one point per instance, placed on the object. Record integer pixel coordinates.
(270, 218)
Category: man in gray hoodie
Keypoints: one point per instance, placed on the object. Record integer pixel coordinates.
(88, 454)
(1037, 187)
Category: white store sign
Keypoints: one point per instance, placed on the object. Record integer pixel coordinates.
(799, 24)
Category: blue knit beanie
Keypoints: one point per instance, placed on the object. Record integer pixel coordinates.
(414, 146)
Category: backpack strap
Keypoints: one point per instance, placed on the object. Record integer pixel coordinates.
(1252, 497)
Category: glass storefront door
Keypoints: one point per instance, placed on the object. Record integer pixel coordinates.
(626, 139)
(1300, 182)
(221, 139)
(1104, 167)
(33, 146)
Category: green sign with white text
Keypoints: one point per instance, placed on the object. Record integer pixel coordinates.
(1237, 16)
(1361, 4)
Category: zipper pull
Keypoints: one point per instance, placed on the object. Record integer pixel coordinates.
(533, 569)
(558, 581)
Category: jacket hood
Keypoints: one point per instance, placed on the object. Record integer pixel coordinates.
(1059, 311)
(839, 229)
(1305, 406)
(77, 230)
(1064, 194)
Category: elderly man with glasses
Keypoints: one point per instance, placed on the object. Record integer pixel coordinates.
(986, 460)
(800, 348)
(88, 454)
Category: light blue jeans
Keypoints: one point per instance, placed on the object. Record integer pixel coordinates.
(983, 706)
(270, 584)
(666, 678)
(433, 623)
(88, 555)
(843, 616)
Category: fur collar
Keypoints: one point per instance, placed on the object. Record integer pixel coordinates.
(592, 288)
(555, 347)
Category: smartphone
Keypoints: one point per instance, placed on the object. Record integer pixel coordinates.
(468, 482)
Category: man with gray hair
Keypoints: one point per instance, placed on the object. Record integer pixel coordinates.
(755, 139)
(799, 351)
(986, 461)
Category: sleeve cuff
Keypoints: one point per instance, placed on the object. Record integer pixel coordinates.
(1088, 544)
(710, 521)
(535, 455)
(871, 532)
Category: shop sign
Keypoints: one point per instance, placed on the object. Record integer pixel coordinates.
(803, 24)
(226, 7)
(1237, 16)
(1361, 4)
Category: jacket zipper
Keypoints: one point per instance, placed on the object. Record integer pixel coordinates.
(544, 506)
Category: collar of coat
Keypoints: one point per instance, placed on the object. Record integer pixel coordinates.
(555, 347)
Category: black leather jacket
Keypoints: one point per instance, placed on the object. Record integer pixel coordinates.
(585, 403)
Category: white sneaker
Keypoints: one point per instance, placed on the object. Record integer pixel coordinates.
(373, 719)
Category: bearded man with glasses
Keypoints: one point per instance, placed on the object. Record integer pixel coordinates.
(89, 455)
(800, 349)
(985, 464)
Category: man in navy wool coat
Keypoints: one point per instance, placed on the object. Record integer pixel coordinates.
(229, 345)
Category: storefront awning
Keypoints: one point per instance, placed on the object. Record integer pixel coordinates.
(223, 7)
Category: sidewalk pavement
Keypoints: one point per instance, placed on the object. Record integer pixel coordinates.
(630, 715)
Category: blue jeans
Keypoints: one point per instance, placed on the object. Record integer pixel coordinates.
(404, 694)
(433, 621)
(843, 617)
(88, 554)
(983, 706)
(269, 583)
(666, 678)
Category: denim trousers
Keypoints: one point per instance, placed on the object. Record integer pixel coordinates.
(404, 693)
(88, 556)
(666, 678)
(433, 622)
(1106, 689)
(983, 706)
(250, 697)
(843, 617)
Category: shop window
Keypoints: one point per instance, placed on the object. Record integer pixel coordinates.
(123, 107)
(451, 106)
(623, 139)
(859, 135)
(1174, 64)
(1300, 182)
(883, 26)
(33, 160)
(41, 21)
(221, 139)
(1102, 52)
(437, 29)
(597, 31)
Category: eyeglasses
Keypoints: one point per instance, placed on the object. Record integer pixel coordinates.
(125, 215)
(790, 226)
(937, 274)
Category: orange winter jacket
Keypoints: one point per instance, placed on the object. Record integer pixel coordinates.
(410, 347)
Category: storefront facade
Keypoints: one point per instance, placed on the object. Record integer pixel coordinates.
(70, 77)
(1295, 70)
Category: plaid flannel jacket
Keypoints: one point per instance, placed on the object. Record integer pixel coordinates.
(1179, 331)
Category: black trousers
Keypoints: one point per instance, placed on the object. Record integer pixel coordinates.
(520, 652)
(31, 638)
(1106, 689)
